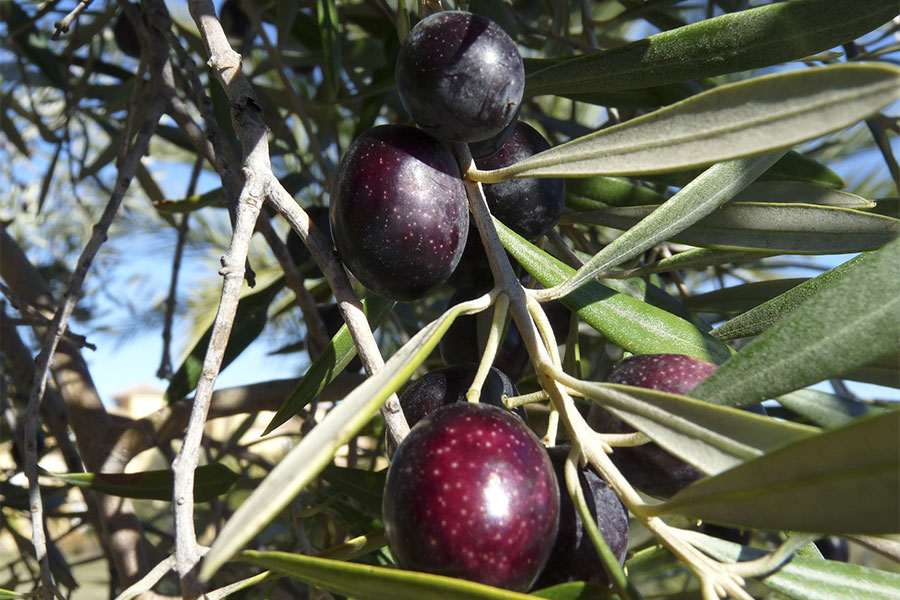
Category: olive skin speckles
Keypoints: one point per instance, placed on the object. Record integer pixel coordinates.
(399, 215)
(471, 493)
(460, 76)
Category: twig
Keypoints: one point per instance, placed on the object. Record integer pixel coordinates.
(165, 363)
(62, 26)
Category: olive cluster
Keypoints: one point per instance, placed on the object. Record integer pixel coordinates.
(399, 215)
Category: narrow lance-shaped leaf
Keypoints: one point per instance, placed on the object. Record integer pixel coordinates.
(249, 321)
(844, 480)
(757, 320)
(807, 578)
(734, 42)
(850, 322)
(731, 121)
(329, 363)
(738, 298)
(326, 11)
(774, 227)
(712, 438)
(710, 190)
(636, 326)
(316, 450)
(826, 410)
(368, 582)
(210, 481)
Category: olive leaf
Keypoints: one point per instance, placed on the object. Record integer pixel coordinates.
(731, 121)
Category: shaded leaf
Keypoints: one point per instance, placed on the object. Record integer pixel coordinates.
(371, 582)
(698, 258)
(826, 410)
(844, 480)
(739, 298)
(771, 227)
(851, 321)
(210, 481)
(593, 193)
(363, 485)
(575, 590)
(329, 29)
(882, 371)
(636, 326)
(793, 192)
(249, 321)
(731, 121)
(329, 363)
(733, 42)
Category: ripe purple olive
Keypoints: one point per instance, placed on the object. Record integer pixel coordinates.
(299, 252)
(460, 76)
(125, 36)
(471, 493)
(574, 557)
(530, 206)
(649, 468)
(399, 215)
(449, 385)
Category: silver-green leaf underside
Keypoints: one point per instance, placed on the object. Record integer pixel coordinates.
(805, 578)
(769, 227)
(732, 121)
(841, 481)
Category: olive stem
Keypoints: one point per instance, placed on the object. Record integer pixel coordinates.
(490, 348)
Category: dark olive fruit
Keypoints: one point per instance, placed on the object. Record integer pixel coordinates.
(471, 493)
(235, 21)
(649, 468)
(460, 76)
(833, 548)
(491, 146)
(449, 385)
(731, 534)
(298, 250)
(125, 35)
(574, 557)
(473, 271)
(399, 215)
(529, 206)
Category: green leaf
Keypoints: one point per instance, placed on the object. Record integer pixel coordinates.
(712, 438)
(329, 29)
(826, 410)
(794, 192)
(733, 42)
(11, 132)
(757, 320)
(575, 590)
(882, 371)
(739, 298)
(249, 321)
(329, 364)
(705, 194)
(850, 322)
(636, 326)
(599, 192)
(731, 121)
(775, 227)
(841, 481)
(699, 258)
(793, 166)
(210, 481)
(365, 486)
(316, 450)
(368, 582)
(805, 578)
